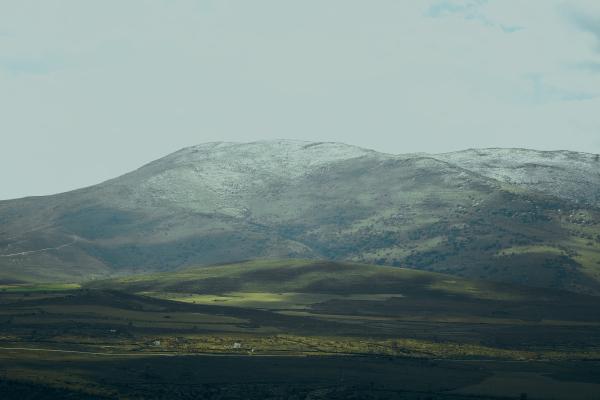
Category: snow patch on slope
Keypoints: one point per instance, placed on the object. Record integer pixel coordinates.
(566, 174)
(215, 177)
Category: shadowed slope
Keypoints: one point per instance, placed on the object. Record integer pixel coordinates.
(222, 202)
(356, 289)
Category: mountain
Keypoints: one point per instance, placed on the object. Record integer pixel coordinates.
(472, 215)
(565, 174)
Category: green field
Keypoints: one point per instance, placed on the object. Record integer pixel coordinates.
(39, 287)
(279, 329)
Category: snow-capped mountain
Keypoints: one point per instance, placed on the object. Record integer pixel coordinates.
(509, 215)
(566, 174)
(220, 177)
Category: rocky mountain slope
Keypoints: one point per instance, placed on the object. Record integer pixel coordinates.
(565, 174)
(478, 216)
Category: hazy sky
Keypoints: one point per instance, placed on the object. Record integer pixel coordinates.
(92, 89)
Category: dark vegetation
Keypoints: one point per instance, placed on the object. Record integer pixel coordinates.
(263, 378)
(297, 329)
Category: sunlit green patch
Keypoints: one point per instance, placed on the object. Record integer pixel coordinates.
(475, 290)
(268, 276)
(339, 345)
(587, 254)
(266, 300)
(518, 250)
(444, 319)
(45, 287)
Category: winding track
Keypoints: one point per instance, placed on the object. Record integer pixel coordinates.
(89, 352)
(149, 354)
(174, 354)
(24, 253)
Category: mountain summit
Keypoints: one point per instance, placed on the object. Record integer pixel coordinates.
(219, 177)
(503, 214)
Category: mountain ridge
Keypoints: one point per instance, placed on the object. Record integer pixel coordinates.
(437, 156)
(224, 201)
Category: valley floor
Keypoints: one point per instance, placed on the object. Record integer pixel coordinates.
(53, 375)
(67, 342)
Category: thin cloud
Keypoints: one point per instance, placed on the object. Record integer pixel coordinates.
(511, 28)
(28, 65)
(590, 66)
(542, 93)
(469, 10)
(585, 22)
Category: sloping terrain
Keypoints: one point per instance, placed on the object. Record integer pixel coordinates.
(565, 174)
(357, 289)
(224, 202)
(346, 303)
(285, 328)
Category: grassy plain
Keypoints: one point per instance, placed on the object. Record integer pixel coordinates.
(297, 329)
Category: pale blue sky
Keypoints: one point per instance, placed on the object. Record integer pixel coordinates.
(92, 89)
